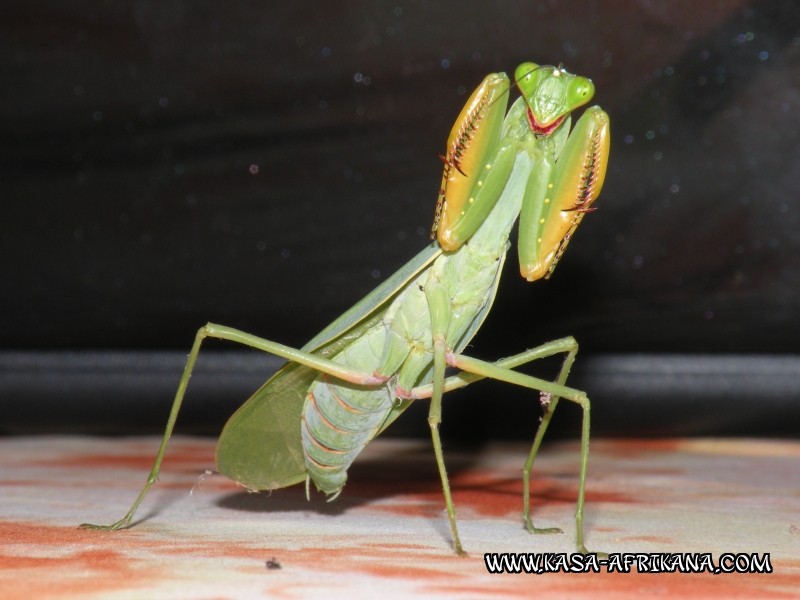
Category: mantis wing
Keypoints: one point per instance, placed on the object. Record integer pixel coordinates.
(375, 299)
(260, 446)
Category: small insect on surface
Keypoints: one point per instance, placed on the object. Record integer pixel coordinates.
(309, 422)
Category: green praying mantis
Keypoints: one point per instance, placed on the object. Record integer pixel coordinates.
(311, 419)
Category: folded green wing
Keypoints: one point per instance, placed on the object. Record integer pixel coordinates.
(260, 445)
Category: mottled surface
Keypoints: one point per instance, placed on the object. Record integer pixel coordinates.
(201, 536)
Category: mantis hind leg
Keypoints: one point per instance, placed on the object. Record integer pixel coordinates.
(227, 333)
(173, 417)
(549, 403)
(502, 370)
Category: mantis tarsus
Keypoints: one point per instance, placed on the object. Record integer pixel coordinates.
(343, 388)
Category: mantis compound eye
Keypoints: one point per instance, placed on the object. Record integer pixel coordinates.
(580, 91)
(525, 71)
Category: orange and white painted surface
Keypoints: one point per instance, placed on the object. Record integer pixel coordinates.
(387, 536)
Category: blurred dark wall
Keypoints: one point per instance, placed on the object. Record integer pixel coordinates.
(265, 165)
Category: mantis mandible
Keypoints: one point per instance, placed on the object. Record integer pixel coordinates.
(310, 420)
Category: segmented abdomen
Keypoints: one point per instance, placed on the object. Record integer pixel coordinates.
(337, 423)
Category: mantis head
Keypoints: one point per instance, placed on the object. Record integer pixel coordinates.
(551, 94)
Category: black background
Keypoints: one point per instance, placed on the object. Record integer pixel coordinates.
(264, 165)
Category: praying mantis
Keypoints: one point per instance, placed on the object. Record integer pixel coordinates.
(310, 420)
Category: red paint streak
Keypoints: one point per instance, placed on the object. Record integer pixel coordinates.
(20, 483)
(107, 567)
(632, 448)
(655, 539)
(482, 493)
(24, 532)
(186, 454)
(623, 585)
(131, 560)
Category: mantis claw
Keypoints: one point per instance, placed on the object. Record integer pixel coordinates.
(121, 524)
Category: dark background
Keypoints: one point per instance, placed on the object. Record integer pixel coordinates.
(264, 165)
